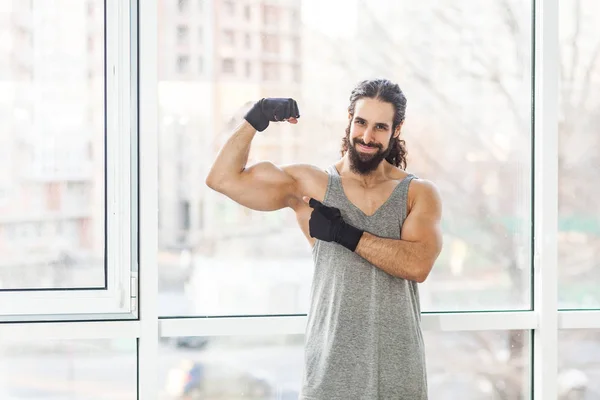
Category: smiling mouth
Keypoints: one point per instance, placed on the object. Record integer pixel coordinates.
(367, 148)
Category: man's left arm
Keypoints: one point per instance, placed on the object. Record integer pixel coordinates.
(413, 255)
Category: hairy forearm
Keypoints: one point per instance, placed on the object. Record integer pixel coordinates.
(398, 258)
(233, 157)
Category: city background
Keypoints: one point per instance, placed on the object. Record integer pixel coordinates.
(465, 68)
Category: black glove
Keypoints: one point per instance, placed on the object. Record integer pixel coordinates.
(326, 223)
(271, 109)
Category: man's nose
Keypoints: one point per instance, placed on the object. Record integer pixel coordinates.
(368, 136)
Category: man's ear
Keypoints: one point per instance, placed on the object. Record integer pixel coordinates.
(397, 131)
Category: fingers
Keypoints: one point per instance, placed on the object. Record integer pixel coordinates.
(287, 110)
(280, 112)
(295, 112)
(281, 109)
(327, 211)
(290, 111)
(313, 203)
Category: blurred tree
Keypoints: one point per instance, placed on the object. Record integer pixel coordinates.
(473, 101)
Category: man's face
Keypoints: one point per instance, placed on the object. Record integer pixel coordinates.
(370, 134)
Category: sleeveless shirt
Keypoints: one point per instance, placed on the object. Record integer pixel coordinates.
(363, 339)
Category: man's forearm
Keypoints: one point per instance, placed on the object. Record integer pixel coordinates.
(399, 258)
(233, 157)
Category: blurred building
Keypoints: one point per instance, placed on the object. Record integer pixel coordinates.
(216, 58)
(51, 137)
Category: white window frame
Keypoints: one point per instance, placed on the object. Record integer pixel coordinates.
(544, 320)
(545, 199)
(118, 299)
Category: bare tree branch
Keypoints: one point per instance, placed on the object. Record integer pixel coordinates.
(575, 42)
(587, 77)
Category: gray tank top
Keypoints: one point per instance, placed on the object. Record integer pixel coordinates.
(363, 338)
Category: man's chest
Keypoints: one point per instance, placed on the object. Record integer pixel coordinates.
(368, 199)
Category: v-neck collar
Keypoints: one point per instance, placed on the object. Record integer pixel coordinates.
(338, 178)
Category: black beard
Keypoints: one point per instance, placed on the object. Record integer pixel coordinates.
(364, 164)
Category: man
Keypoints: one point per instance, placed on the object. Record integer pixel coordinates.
(375, 234)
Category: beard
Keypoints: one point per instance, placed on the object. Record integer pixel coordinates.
(365, 163)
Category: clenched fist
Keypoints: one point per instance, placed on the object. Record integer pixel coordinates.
(271, 109)
(326, 224)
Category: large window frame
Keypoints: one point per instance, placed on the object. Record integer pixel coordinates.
(117, 298)
(543, 320)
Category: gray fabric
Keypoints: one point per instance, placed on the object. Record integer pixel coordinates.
(363, 338)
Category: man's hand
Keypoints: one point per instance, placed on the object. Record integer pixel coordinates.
(272, 109)
(326, 224)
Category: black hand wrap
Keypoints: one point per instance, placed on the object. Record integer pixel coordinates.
(271, 109)
(326, 224)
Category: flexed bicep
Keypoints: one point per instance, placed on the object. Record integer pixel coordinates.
(264, 186)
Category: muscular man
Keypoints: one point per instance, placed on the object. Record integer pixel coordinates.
(375, 234)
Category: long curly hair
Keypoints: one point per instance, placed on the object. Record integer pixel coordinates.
(389, 92)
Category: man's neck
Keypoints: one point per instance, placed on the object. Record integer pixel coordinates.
(370, 179)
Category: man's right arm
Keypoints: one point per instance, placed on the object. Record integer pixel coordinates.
(262, 186)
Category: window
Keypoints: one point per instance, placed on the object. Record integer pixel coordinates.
(228, 66)
(479, 364)
(229, 366)
(183, 62)
(77, 165)
(247, 13)
(492, 365)
(90, 44)
(482, 127)
(185, 215)
(58, 368)
(248, 69)
(228, 8)
(229, 37)
(297, 46)
(200, 65)
(51, 119)
(297, 74)
(486, 260)
(182, 34)
(270, 15)
(90, 8)
(247, 41)
(578, 369)
(270, 43)
(295, 17)
(579, 160)
(270, 71)
(183, 5)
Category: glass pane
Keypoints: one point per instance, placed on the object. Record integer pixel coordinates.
(238, 367)
(468, 84)
(68, 369)
(479, 365)
(493, 365)
(579, 155)
(578, 364)
(467, 129)
(51, 144)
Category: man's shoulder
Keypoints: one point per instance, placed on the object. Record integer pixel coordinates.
(423, 184)
(424, 192)
(419, 188)
(305, 171)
